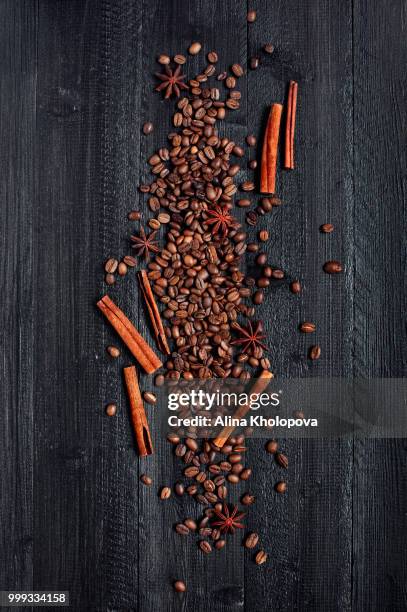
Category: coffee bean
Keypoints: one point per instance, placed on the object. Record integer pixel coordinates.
(159, 380)
(195, 48)
(315, 352)
(248, 499)
(251, 16)
(181, 529)
(327, 228)
(237, 70)
(220, 544)
(111, 410)
(247, 186)
(332, 267)
(164, 218)
(263, 235)
(134, 215)
(130, 261)
(122, 269)
(180, 59)
(173, 438)
(251, 140)
(148, 128)
(165, 493)
(111, 265)
(163, 59)
(110, 279)
(295, 287)
(272, 446)
(282, 460)
(113, 351)
(149, 397)
(245, 474)
(281, 487)
(191, 524)
(278, 274)
(261, 259)
(307, 327)
(268, 48)
(191, 444)
(253, 164)
(179, 489)
(251, 540)
(243, 203)
(180, 586)
(261, 557)
(205, 547)
(258, 297)
(254, 63)
(212, 57)
(146, 479)
(191, 472)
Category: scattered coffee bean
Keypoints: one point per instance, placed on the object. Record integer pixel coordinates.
(113, 351)
(261, 557)
(181, 529)
(159, 380)
(263, 235)
(212, 57)
(272, 446)
(307, 327)
(268, 48)
(180, 59)
(253, 164)
(282, 460)
(333, 267)
(122, 269)
(149, 397)
(327, 228)
(254, 63)
(281, 487)
(130, 261)
(111, 265)
(111, 409)
(205, 547)
(251, 540)
(164, 60)
(134, 215)
(195, 48)
(179, 489)
(237, 70)
(295, 287)
(315, 352)
(251, 140)
(165, 493)
(110, 279)
(248, 499)
(180, 586)
(146, 480)
(251, 16)
(148, 128)
(220, 544)
(173, 438)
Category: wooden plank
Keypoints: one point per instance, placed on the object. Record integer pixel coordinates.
(214, 582)
(86, 536)
(307, 532)
(380, 347)
(17, 135)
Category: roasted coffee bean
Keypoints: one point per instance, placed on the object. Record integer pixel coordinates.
(195, 48)
(233, 478)
(180, 59)
(180, 586)
(327, 228)
(181, 529)
(201, 499)
(268, 48)
(191, 444)
(191, 472)
(263, 235)
(149, 397)
(159, 380)
(110, 279)
(252, 164)
(315, 352)
(130, 261)
(222, 492)
(258, 297)
(146, 479)
(251, 16)
(122, 269)
(192, 489)
(165, 493)
(254, 63)
(295, 287)
(237, 70)
(251, 140)
(111, 265)
(281, 487)
(272, 446)
(173, 438)
(307, 327)
(179, 489)
(134, 215)
(205, 532)
(180, 450)
(219, 544)
(212, 57)
(261, 259)
(214, 469)
(191, 524)
(247, 186)
(332, 267)
(205, 547)
(148, 128)
(164, 60)
(282, 460)
(200, 477)
(111, 410)
(278, 274)
(209, 485)
(234, 458)
(113, 351)
(248, 499)
(243, 203)
(261, 557)
(251, 540)
(215, 535)
(245, 475)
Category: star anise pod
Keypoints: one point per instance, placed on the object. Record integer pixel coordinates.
(221, 219)
(228, 521)
(144, 245)
(172, 82)
(250, 337)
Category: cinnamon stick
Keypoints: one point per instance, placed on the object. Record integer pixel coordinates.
(270, 150)
(154, 313)
(259, 386)
(138, 414)
(130, 336)
(290, 125)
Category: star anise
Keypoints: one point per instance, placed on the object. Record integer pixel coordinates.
(144, 245)
(172, 82)
(229, 521)
(250, 337)
(221, 219)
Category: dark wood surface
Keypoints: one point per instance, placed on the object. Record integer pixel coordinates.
(76, 86)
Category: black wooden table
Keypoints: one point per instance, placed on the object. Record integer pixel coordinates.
(76, 86)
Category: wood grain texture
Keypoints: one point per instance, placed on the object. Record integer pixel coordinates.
(380, 346)
(77, 85)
